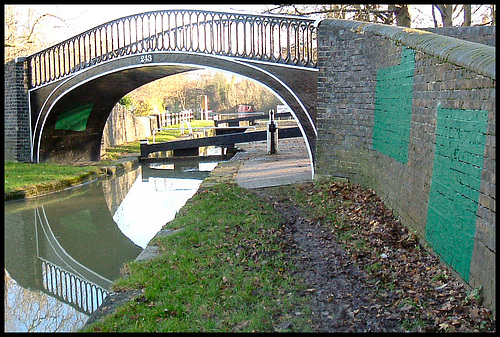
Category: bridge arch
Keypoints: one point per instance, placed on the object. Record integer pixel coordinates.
(99, 87)
(93, 70)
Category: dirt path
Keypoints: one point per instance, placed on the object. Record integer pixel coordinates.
(341, 299)
(345, 298)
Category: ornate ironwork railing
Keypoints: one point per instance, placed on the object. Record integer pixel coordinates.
(72, 289)
(278, 39)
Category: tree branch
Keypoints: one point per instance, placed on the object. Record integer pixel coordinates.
(332, 10)
(28, 38)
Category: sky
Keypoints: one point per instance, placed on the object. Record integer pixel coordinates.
(82, 17)
(79, 18)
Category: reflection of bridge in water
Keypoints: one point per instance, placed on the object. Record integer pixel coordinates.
(62, 276)
(69, 247)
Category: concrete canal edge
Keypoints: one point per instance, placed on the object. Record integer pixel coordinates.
(224, 172)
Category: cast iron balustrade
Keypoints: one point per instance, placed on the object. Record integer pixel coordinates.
(71, 288)
(276, 39)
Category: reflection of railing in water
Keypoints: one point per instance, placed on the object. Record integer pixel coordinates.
(71, 289)
(162, 184)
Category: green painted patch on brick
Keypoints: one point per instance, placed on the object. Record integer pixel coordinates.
(393, 105)
(74, 117)
(455, 187)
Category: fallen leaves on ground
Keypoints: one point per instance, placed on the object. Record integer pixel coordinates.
(408, 279)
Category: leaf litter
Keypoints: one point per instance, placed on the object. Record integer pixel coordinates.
(364, 270)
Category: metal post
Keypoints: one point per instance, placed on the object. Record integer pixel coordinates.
(144, 148)
(272, 134)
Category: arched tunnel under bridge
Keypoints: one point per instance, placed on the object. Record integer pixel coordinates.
(68, 116)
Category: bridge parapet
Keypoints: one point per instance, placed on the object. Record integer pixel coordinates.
(274, 39)
(477, 57)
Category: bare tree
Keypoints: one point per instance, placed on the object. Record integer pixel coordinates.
(402, 13)
(485, 13)
(386, 14)
(23, 33)
(467, 15)
(446, 12)
(463, 15)
(395, 14)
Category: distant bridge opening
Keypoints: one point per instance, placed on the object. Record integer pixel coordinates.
(75, 84)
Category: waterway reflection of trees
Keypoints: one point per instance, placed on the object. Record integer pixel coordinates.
(34, 311)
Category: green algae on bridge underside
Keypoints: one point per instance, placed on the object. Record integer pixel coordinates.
(74, 117)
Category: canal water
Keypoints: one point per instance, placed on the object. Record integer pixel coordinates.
(63, 251)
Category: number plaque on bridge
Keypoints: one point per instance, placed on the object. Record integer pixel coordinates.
(148, 58)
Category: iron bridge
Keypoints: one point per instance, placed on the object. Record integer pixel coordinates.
(75, 84)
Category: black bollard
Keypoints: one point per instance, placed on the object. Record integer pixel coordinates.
(272, 134)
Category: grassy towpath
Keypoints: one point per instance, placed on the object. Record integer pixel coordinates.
(227, 270)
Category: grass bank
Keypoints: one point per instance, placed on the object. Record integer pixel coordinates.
(227, 270)
(22, 176)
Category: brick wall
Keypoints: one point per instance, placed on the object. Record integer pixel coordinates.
(16, 113)
(122, 127)
(418, 130)
(484, 35)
